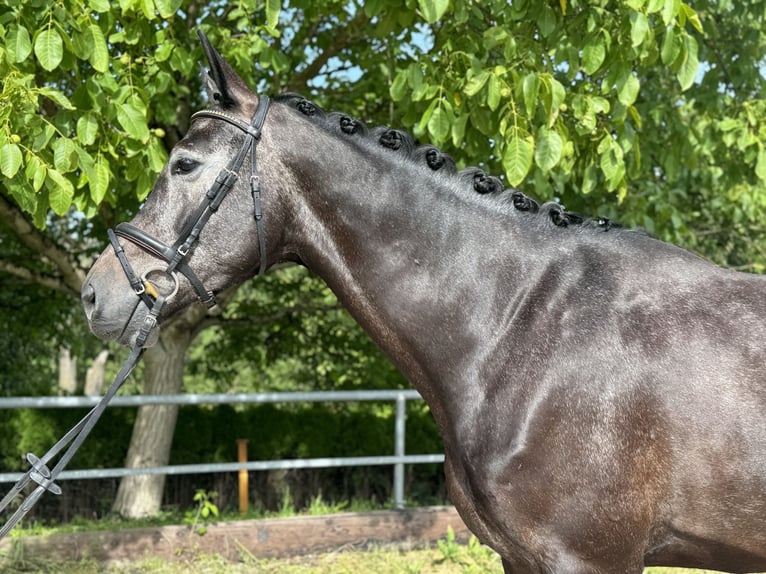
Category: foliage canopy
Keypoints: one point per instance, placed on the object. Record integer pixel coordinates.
(648, 111)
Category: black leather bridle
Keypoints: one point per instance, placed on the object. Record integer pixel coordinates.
(176, 255)
(154, 295)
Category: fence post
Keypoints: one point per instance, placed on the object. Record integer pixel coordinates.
(243, 476)
(401, 413)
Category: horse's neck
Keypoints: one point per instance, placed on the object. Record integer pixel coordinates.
(422, 267)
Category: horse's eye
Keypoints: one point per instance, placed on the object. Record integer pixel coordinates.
(184, 165)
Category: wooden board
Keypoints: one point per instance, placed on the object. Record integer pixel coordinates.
(266, 538)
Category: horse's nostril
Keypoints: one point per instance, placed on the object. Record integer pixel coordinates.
(88, 296)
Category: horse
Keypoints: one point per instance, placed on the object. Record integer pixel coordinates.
(601, 394)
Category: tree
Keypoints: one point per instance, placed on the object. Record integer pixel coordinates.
(645, 110)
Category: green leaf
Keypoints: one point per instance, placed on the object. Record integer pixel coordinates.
(57, 96)
(692, 17)
(399, 86)
(156, 155)
(426, 117)
(147, 7)
(639, 26)
(439, 125)
(61, 192)
(415, 77)
(99, 57)
(163, 52)
(671, 46)
(612, 162)
(518, 156)
(167, 8)
(589, 179)
(64, 155)
(760, 164)
(530, 88)
(476, 83)
(35, 172)
(593, 54)
(546, 20)
(100, 6)
(458, 130)
(273, 7)
(495, 90)
(373, 7)
(18, 44)
(553, 97)
(654, 6)
(548, 149)
(670, 10)
(99, 181)
(10, 159)
(49, 49)
(687, 73)
(432, 10)
(87, 128)
(133, 120)
(627, 89)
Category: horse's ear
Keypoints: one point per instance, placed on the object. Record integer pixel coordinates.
(224, 87)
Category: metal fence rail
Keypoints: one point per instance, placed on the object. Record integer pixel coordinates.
(398, 460)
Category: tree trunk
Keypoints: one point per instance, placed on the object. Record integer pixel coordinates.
(140, 496)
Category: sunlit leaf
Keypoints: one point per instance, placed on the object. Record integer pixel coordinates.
(670, 10)
(49, 48)
(64, 155)
(548, 148)
(687, 73)
(57, 96)
(133, 121)
(671, 46)
(99, 57)
(639, 26)
(167, 8)
(432, 10)
(399, 86)
(760, 165)
(476, 83)
(61, 192)
(18, 44)
(439, 125)
(530, 87)
(518, 157)
(273, 8)
(35, 172)
(494, 93)
(627, 89)
(10, 159)
(99, 182)
(593, 54)
(87, 128)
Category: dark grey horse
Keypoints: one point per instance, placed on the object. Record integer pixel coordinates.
(601, 394)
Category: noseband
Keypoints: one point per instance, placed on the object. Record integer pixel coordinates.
(176, 255)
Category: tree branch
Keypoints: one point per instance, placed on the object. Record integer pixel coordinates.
(28, 276)
(72, 275)
(345, 38)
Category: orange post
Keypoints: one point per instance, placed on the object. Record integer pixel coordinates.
(243, 476)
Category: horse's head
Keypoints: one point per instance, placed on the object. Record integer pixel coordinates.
(201, 229)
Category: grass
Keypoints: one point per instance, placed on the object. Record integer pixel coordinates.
(448, 557)
(381, 560)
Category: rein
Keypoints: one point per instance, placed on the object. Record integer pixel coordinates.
(154, 297)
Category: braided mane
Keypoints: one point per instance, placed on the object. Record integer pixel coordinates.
(405, 144)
